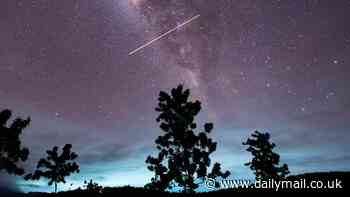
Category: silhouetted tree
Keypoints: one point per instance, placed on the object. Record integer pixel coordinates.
(183, 155)
(56, 167)
(11, 152)
(265, 162)
(93, 187)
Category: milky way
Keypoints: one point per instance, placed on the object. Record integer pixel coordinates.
(277, 66)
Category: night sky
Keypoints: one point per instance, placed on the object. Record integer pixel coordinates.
(279, 66)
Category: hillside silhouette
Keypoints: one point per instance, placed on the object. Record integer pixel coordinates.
(128, 190)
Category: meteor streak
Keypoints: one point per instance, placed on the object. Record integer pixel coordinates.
(164, 34)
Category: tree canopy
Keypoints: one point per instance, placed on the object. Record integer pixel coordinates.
(56, 167)
(265, 162)
(11, 150)
(184, 154)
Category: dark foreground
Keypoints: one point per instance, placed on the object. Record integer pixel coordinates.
(344, 177)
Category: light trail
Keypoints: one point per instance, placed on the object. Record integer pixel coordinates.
(164, 34)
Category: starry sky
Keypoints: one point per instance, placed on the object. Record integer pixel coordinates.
(279, 66)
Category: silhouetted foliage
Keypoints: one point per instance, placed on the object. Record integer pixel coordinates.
(265, 162)
(11, 152)
(183, 155)
(93, 187)
(56, 167)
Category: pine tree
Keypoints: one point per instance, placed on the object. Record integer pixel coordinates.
(56, 167)
(11, 152)
(265, 162)
(184, 154)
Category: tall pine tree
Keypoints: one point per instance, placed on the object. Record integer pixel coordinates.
(265, 162)
(184, 154)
